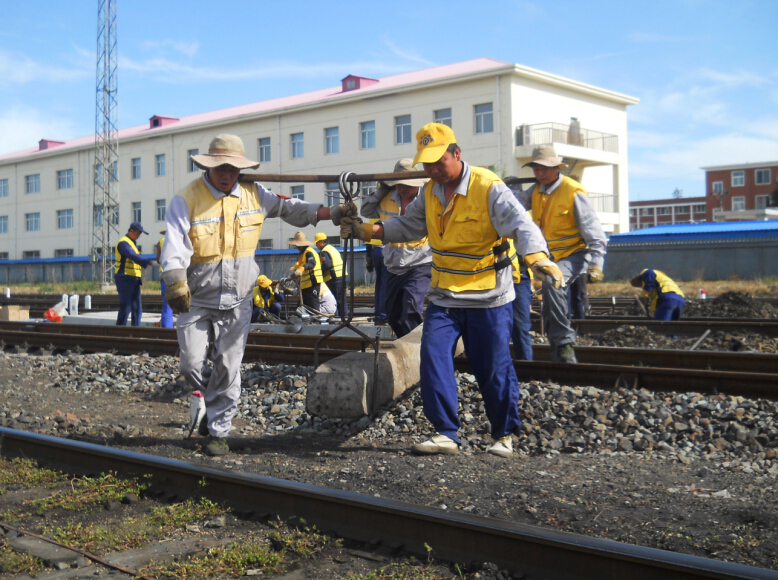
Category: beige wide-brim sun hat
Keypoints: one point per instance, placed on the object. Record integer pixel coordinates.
(224, 150)
(300, 240)
(546, 156)
(400, 167)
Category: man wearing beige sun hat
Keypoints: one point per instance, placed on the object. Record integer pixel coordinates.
(213, 227)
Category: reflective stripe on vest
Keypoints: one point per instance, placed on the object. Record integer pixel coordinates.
(389, 209)
(337, 263)
(222, 229)
(554, 214)
(127, 266)
(462, 253)
(307, 280)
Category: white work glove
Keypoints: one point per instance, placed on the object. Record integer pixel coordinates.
(338, 212)
(353, 226)
(595, 276)
(544, 269)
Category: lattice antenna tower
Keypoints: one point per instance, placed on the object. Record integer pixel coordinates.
(105, 232)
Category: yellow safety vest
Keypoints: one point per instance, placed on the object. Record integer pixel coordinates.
(388, 209)
(307, 279)
(222, 229)
(161, 243)
(259, 300)
(130, 268)
(517, 262)
(374, 241)
(666, 284)
(554, 214)
(337, 263)
(462, 237)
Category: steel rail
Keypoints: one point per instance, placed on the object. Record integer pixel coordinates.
(456, 537)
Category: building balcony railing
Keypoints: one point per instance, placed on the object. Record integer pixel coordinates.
(603, 202)
(547, 133)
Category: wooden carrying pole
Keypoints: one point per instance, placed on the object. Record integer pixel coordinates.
(279, 178)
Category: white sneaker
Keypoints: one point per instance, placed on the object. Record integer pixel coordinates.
(502, 447)
(438, 444)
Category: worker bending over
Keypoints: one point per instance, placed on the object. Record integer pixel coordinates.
(666, 298)
(267, 298)
(408, 264)
(468, 214)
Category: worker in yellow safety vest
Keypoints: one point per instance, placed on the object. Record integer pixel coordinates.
(128, 273)
(307, 270)
(267, 298)
(334, 271)
(666, 299)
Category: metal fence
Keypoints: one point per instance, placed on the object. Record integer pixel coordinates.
(546, 133)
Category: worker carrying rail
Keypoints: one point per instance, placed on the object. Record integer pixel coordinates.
(468, 214)
(408, 264)
(213, 227)
(666, 298)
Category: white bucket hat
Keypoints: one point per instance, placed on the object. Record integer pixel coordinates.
(400, 167)
(224, 150)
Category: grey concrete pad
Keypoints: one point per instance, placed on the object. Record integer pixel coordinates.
(51, 554)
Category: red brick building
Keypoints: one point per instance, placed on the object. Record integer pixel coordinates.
(732, 192)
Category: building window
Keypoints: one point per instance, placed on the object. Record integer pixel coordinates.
(647, 211)
(664, 210)
(266, 244)
(264, 150)
(762, 176)
(402, 129)
(483, 118)
(682, 209)
(64, 219)
(67, 253)
(160, 205)
(160, 165)
(718, 187)
(298, 192)
(33, 183)
(762, 201)
(367, 135)
(331, 194)
(298, 145)
(3, 224)
(3, 255)
(31, 254)
(331, 140)
(369, 187)
(33, 221)
(135, 168)
(136, 211)
(738, 178)
(699, 208)
(3, 188)
(443, 116)
(191, 167)
(113, 173)
(65, 179)
(633, 212)
(739, 203)
(99, 174)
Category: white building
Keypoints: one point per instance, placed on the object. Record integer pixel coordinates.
(499, 112)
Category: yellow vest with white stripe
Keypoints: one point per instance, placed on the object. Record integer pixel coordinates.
(259, 300)
(130, 267)
(516, 262)
(462, 253)
(554, 214)
(305, 280)
(388, 209)
(161, 243)
(222, 229)
(337, 263)
(666, 284)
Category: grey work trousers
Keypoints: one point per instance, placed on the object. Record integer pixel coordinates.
(555, 307)
(220, 384)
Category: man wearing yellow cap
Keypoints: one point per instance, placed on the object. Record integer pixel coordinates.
(468, 213)
(333, 269)
(267, 298)
(560, 208)
(213, 227)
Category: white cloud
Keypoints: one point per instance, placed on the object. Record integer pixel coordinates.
(186, 48)
(406, 55)
(23, 127)
(19, 69)
(529, 10)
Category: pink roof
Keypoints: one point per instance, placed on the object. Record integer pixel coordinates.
(332, 93)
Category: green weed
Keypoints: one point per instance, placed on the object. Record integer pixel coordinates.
(405, 571)
(232, 560)
(87, 493)
(12, 562)
(180, 514)
(26, 473)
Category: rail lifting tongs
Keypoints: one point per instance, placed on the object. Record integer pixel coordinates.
(349, 188)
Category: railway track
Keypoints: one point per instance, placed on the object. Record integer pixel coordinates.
(457, 537)
(602, 367)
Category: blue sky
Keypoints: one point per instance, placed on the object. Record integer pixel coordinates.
(706, 71)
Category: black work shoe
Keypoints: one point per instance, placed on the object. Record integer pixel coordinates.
(566, 354)
(217, 446)
(202, 429)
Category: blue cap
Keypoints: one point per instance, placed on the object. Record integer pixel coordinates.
(138, 226)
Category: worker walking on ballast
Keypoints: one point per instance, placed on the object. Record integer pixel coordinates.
(666, 298)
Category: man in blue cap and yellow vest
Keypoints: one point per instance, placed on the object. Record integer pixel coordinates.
(128, 273)
(560, 208)
(213, 227)
(468, 214)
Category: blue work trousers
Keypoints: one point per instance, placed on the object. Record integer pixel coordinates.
(486, 334)
(274, 308)
(128, 288)
(578, 298)
(522, 304)
(336, 286)
(380, 283)
(669, 307)
(405, 295)
(166, 321)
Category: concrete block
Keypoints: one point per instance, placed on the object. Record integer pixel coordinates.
(52, 555)
(343, 387)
